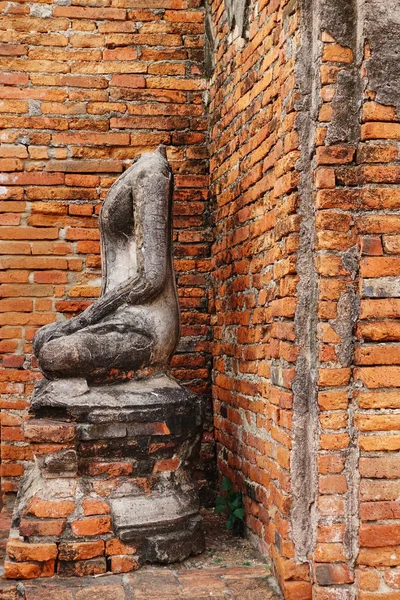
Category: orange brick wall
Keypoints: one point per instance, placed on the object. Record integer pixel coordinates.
(357, 260)
(337, 263)
(304, 175)
(83, 90)
(356, 181)
(253, 152)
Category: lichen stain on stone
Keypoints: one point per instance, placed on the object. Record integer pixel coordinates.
(209, 42)
(303, 463)
(344, 126)
(348, 309)
(380, 28)
(382, 31)
(339, 19)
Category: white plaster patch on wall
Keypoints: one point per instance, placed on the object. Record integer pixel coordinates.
(7, 178)
(236, 11)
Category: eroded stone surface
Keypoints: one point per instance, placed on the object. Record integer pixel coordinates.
(236, 11)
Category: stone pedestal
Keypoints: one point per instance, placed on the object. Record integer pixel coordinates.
(111, 486)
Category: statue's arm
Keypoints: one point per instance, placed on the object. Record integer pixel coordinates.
(105, 305)
(152, 232)
(151, 206)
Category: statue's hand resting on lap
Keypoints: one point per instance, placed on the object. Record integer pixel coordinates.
(131, 291)
(47, 333)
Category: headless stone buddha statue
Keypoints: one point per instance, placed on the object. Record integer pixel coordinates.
(135, 323)
(130, 444)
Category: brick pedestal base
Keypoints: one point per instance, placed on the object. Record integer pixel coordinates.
(111, 486)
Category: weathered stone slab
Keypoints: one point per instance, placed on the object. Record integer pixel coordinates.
(120, 401)
(381, 287)
(125, 477)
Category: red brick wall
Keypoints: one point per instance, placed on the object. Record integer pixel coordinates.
(253, 150)
(304, 181)
(82, 92)
(337, 263)
(357, 229)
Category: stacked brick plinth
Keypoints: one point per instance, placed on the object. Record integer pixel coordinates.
(46, 518)
(110, 488)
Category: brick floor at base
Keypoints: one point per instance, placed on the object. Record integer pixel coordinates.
(228, 569)
(240, 583)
